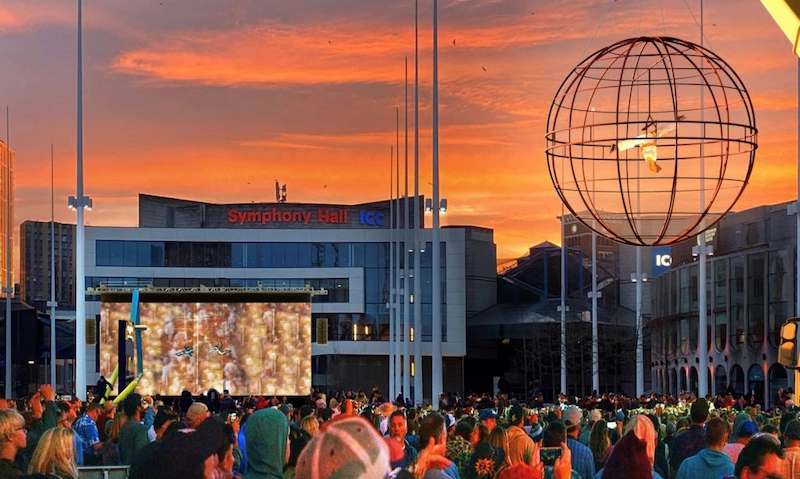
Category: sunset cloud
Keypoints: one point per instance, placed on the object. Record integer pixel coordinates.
(214, 101)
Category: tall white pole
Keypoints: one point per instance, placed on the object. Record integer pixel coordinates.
(595, 337)
(398, 315)
(639, 336)
(702, 329)
(563, 307)
(52, 303)
(418, 219)
(406, 263)
(80, 260)
(9, 288)
(392, 313)
(436, 323)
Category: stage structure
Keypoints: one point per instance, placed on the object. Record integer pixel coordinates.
(651, 141)
(249, 340)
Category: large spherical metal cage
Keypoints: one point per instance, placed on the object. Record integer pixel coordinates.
(651, 140)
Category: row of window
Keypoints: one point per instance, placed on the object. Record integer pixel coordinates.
(338, 288)
(747, 298)
(370, 327)
(204, 254)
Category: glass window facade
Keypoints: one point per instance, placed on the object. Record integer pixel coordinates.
(373, 257)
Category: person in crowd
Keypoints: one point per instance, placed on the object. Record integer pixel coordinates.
(486, 461)
(164, 418)
(488, 417)
(633, 456)
(86, 428)
(761, 458)
(461, 445)
(691, 441)
(352, 448)
(432, 429)
(586, 432)
(133, 434)
(267, 441)
(186, 402)
(555, 435)
(189, 454)
(13, 438)
(107, 415)
(226, 455)
(196, 414)
(711, 462)
(582, 459)
(600, 443)
(226, 402)
(499, 440)
(791, 451)
(213, 401)
(309, 424)
(743, 432)
(55, 454)
(101, 389)
(110, 450)
(398, 428)
(521, 448)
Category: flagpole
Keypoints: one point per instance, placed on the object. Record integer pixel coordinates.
(436, 323)
(418, 222)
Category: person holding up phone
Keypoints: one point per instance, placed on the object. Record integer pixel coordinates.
(556, 465)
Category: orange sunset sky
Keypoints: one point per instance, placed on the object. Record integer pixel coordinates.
(213, 100)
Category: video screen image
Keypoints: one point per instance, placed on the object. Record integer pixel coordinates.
(247, 348)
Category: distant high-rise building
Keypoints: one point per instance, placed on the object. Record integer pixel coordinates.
(35, 264)
(6, 193)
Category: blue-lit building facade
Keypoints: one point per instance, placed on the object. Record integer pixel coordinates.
(344, 249)
(750, 292)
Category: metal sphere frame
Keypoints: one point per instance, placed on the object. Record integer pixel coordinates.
(651, 140)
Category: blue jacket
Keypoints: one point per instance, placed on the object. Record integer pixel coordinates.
(708, 463)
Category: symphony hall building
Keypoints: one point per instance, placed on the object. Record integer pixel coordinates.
(344, 249)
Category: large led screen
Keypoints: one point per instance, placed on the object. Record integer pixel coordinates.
(247, 348)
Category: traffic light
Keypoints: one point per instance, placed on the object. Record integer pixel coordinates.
(786, 351)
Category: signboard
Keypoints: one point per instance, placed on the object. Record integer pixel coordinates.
(662, 260)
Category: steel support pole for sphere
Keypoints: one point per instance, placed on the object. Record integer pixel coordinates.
(639, 335)
(595, 336)
(563, 308)
(702, 332)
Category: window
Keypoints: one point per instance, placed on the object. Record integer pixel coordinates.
(778, 293)
(755, 299)
(736, 294)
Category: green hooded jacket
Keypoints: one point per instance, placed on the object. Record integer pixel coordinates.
(265, 435)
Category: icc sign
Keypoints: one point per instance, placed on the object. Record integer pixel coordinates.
(662, 260)
(370, 218)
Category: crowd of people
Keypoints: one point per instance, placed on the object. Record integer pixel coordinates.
(352, 435)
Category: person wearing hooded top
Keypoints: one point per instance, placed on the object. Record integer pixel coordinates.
(268, 448)
(711, 462)
(634, 454)
(691, 441)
